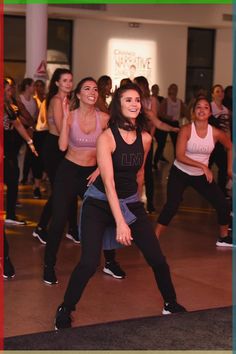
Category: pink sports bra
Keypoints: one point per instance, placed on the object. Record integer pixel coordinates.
(79, 140)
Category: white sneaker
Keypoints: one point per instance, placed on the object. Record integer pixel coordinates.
(15, 222)
(72, 237)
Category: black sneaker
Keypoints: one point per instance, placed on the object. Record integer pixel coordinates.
(113, 269)
(15, 221)
(73, 236)
(172, 307)
(224, 241)
(63, 318)
(8, 271)
(37, 193)
(41, 234)
(49, 275)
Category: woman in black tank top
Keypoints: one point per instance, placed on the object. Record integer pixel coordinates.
(114, 200)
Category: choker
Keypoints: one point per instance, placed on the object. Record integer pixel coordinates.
(129, 127)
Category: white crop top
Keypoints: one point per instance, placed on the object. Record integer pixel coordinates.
(198, 149)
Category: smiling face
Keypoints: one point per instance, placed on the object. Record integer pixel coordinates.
(65, 83)
(88, 93)
(130, 104)
(202, 110)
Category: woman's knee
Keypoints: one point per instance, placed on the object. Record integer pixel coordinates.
(88, 267)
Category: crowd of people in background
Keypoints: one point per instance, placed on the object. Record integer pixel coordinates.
(62, 133)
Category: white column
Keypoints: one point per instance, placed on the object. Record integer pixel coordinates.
(36, 41)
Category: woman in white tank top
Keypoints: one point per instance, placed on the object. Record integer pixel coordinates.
(194, 145)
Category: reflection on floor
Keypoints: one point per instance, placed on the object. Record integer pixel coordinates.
(201, 272)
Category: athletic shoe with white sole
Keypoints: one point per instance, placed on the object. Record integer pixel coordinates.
(225, 241)
(15, 221)
(172, 307)
(41, 234)
(114, 269)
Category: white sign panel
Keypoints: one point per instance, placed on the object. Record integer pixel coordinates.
(130, 58)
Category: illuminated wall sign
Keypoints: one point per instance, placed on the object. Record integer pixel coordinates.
(130, 58)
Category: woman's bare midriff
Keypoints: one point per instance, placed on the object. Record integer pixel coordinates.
(83, 158)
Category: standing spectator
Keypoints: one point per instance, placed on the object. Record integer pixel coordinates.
(150, 105)
(172, 109)
(159, 135)
(104, 93)
(30, 104)
(41, 132)
(11, 170)
(221, 118)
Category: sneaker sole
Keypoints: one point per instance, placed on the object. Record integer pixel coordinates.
(40, 239)
(9, 277)
(14, 223)
(223, 244)
(109, 272)
(165, 312)
(72, 238)
(50, 283)
(59, 329)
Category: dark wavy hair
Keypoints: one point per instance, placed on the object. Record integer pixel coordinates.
(142, 82)
(102, 82)
(53, 88)
(74, 103)
(116, 116)
(24, 83)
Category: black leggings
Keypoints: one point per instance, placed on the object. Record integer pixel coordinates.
(219, 157)
(11, 176)
(178, 181)
(52, 157)
(32, 161)
(96, 215)
(70, 181)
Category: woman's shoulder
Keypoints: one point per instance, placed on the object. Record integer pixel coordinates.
(104, 118)
(186, 128)
(146, 137)
(55, 100)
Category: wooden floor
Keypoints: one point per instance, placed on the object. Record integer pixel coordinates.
(202, 273)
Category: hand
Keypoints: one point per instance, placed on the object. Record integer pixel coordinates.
(65, 107)
(91, 178)
(32, 148)
(175, 130)
(123, 234)
(208, 173)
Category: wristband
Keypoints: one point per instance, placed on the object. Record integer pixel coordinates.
(29, 142)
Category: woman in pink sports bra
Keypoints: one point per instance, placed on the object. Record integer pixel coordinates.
(81, 126)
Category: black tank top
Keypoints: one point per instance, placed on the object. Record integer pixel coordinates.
(127, 160)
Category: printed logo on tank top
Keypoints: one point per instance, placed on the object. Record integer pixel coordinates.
(132, 159)
(200, 148)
